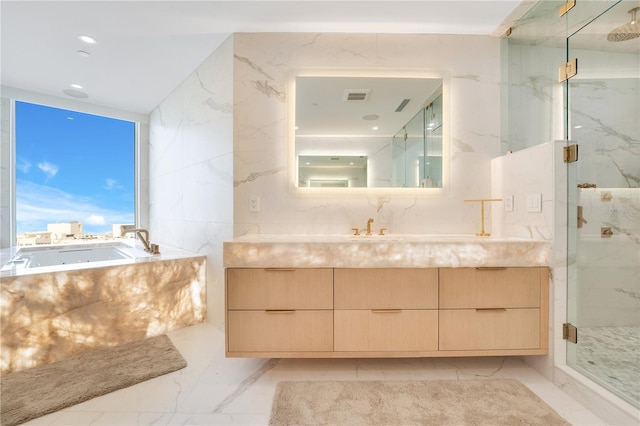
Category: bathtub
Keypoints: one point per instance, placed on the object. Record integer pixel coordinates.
(58, 255)
(61, 300)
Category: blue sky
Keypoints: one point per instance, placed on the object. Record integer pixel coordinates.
(72, 166)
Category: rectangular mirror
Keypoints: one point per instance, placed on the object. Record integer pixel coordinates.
(358, 131)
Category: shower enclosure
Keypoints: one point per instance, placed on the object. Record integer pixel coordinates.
(599, 111)
(603, 119)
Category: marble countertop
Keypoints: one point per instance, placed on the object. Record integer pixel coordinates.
(388, 251)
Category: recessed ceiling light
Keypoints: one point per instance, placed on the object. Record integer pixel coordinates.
(374, 128)
(371, 117)
(84, 53)
(87, 39)
(577, 127)
(76, 86)
(75, 93)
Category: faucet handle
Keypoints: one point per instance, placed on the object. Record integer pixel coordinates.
(382, 231)
(356, 231)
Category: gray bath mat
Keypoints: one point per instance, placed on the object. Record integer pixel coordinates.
(437, 402)
(32, 393)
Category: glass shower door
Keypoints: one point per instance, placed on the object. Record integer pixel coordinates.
(604, 205)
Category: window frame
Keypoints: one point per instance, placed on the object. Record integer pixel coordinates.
(141, 154)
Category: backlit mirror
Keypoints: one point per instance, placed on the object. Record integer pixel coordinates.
(369, 131)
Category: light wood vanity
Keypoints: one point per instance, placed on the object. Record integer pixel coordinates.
(344, 312)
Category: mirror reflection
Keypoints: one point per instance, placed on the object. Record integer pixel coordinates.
(377, 132)
(333, 171)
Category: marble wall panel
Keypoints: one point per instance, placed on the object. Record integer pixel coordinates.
(608, 268)
(263, 66)
(525, 172)
(535, 98)
(191, 174)
(51, 316)
(604, 121)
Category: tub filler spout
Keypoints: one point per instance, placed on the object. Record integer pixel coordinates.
(143, 235)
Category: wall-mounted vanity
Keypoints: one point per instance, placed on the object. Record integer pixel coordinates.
(378, 296)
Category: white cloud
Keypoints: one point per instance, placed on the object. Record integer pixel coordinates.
(23, 165)
(110, 183)
(37, 205)
(95, 219)
(49, 169)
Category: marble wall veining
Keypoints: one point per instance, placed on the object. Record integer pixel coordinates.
(191, 169)
(263, 66)
(50, 316)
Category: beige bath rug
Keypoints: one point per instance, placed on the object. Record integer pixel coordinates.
(32, 393)
(439, 402)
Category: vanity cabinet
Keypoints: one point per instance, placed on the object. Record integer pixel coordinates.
(279, 310)
(386, 312)
(485, 309)
(391, 309)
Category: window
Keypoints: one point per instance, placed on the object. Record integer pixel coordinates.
(74, 174)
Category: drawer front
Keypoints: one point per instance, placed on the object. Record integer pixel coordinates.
(280, 331)
(279, 288)
(386, 330)
(490, 287)
(471, 329)
(386, 288)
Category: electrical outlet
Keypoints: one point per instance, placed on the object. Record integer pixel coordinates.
(254, 204)
(508, 203)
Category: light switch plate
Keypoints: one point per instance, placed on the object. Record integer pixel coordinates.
(508, 203)
(534, 203)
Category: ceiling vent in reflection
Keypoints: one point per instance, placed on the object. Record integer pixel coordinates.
(356, 95)
(402, 105)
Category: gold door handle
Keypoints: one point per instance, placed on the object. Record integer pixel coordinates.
(491, 309)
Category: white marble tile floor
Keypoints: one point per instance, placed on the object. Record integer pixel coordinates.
(214, 390)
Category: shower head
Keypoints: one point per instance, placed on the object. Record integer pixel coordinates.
(627, 31)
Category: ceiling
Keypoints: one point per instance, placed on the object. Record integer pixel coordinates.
(146, 48)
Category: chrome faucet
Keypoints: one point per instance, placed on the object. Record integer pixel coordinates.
(151, 248)
(369, 222)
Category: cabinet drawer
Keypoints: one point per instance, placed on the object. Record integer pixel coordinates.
(279, 288)
(386, 330)
(280, 331)
(386, 288)
(490, 287)
(472, 329)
